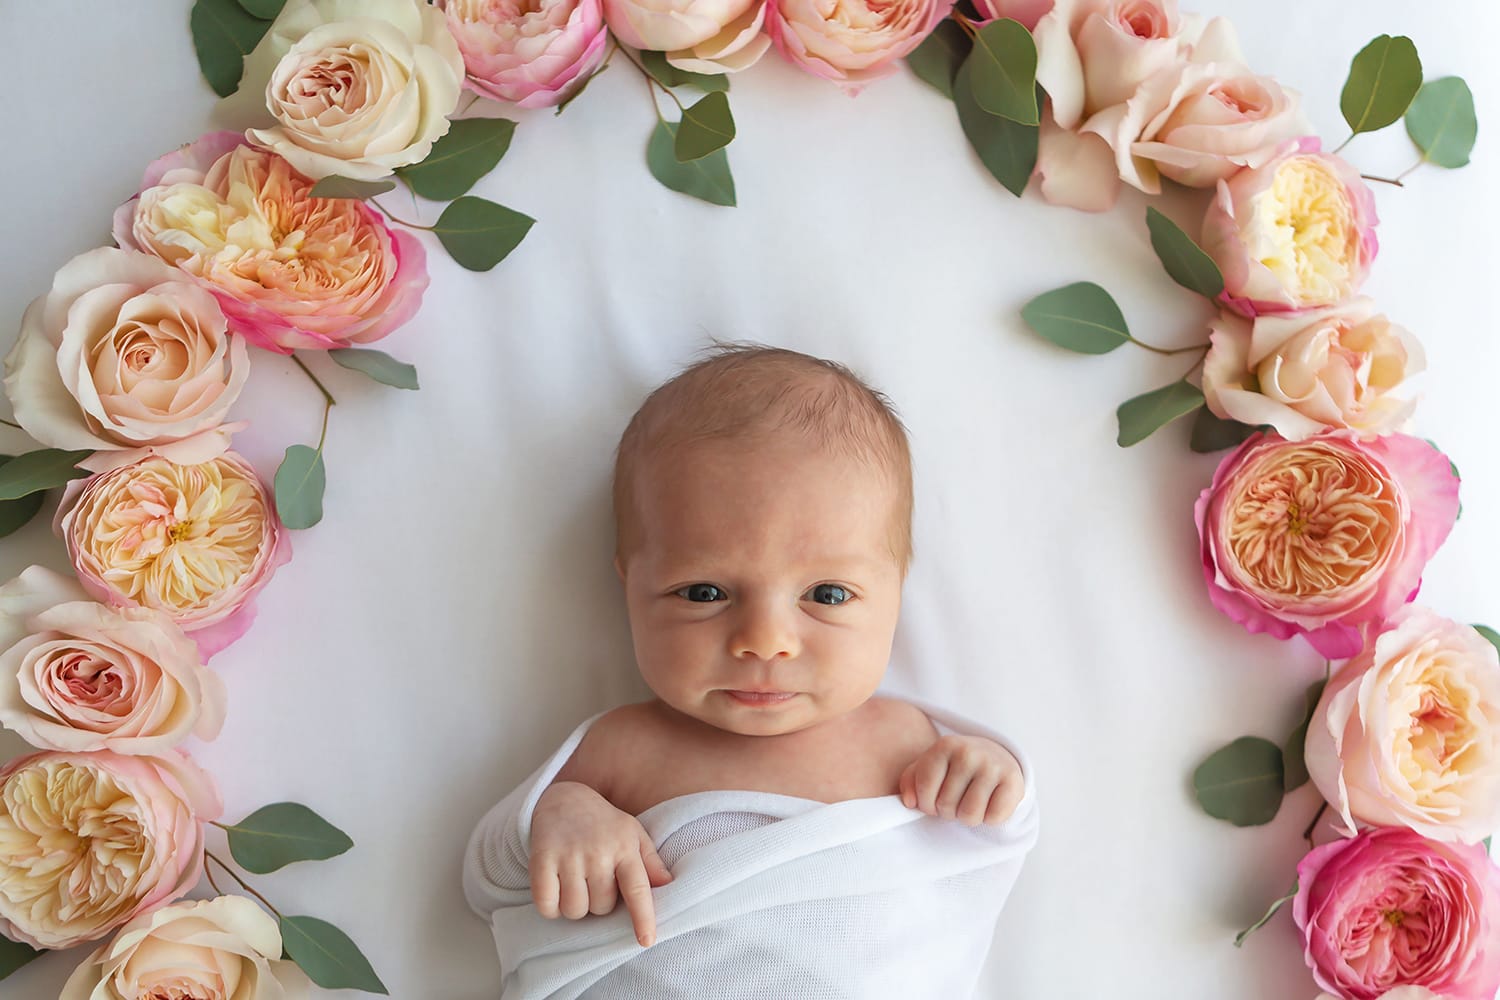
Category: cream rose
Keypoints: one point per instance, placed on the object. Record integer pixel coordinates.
(76, 675)
(225, 948)
(128, 357)
(701, 36)
(1308, 372)
(357, 87)
(851, 42)
(88, 841)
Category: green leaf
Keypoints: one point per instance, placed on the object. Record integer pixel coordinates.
(1490, 635)
(479, 234)
(470, 150)
(1441, 121)
(1211, 433)
(1079, 317)
(16, 513)
(1486, 843)
(223, 35)
(345, 187)
(937, 59)
(1383, 79)
(1002, 69)
(1239, 939)
(1293, 756)
(327, 955)
(706, 127)
(1242, 782)
(40, 470)
(1146, 414)
(378, 365)
(299, 487)
(1184, 259)
(707, 179)
(273, 837)
(14, 954)
(668, 75)
(266, 10)
(1006, 148)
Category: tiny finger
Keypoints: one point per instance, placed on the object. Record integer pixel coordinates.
(928, 781)
(573, 896)
(1004, 802)
(602, 892)
(657, 872)
(544, 891)
(955, 783)
(971, 808)
(635, 889)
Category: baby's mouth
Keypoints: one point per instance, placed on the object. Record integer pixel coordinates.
(761, 699)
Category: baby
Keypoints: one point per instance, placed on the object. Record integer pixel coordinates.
(763, 504)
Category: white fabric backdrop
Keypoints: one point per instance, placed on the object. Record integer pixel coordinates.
(455, 615)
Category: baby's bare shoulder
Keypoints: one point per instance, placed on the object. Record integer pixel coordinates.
(621, 734)
(900, 725)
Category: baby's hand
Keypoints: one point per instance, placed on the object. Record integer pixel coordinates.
(967, 778)
(586, 855)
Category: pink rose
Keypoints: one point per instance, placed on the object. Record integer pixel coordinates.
(290, 271)
(88, 841)
(1407, 733)
(1303, 373)
(700, 36)
(1028, 12)
(76, 675)
(1387, 908)
(852, 42)
(196, 542)
(535, 55)
(1324, 536)
(1295, 234)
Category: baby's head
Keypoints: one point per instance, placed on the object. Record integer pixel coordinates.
(763, 507)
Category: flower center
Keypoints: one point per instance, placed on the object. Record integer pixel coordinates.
(1312, 231)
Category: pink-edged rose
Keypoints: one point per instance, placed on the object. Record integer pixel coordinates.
(196, 542)
(128, 357)
(1399, 993)
(1028, 12)
(76, 675)
(1303, 373)
(1294, 234)
(291, 271)
(1324, 536)
(533, 54)
(851, 42)
(1407, 733)
(91, 840)
(1389, 908)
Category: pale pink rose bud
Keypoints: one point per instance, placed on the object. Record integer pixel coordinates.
(196, 542)
(91, 840)
(1325, 536)
(1295, 234)
(1388, 908)
(289, 270)
(77, 675)
(1028, 12)
(533, 53)
(851, 41)
(671, 25)
(1303, 373)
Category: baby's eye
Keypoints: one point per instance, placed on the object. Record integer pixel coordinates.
(829, 593)
(701, 593)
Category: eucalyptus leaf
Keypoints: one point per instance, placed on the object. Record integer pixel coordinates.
(266, 10)
(1490, 635)
(1239, 939)
(1486, 843)
(299, 485)
(277, 835)
(378, 365)
(1002, 68)
(1183, 258)
(14, 954)
(40, 470)
(707, 179)
(668, 75)
(346, 187)
(1383, 79)
(1007, 149)
(224, 33)
(1212, 433)
(937, 59)
(1146, 414)
(327, 955)
(1079, 317)
(471, 148)
(16, 513)
(479, 234)
(1293, 755)
(1441, 121)
(1242, 782)
(706, 127)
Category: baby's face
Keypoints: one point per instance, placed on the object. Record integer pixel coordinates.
(762, 590)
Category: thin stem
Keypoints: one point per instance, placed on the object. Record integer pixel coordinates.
(321, 387)
(651, 80)
(210, 873)
(1169, 350)
(1408, 170)
(1384, 180)
(323, 434)
(9, 424)
(400, 222)
(236, 876)
(1344, 143)
(1307, 834)
(963, 22)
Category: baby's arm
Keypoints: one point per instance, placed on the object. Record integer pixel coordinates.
(968, 778)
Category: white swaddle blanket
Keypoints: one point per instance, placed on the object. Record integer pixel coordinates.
(772, 897)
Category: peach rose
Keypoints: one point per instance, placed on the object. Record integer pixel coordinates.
(534, 54)
(127, 357)
(357, 87)
(225, 948)
(700, 36)
(290, 271)
(196, 542)
(76, 675)
(1399, 993)
(89, 841)
(851, 41)
(1407, 733)
(1307, 372)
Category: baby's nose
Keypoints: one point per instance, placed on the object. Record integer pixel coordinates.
(764, 631)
